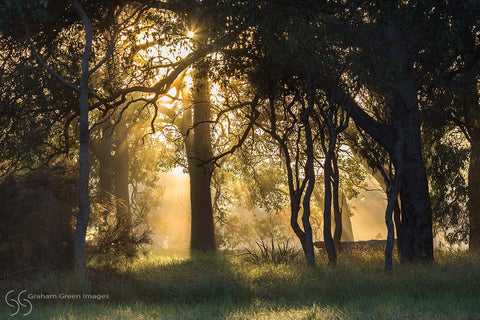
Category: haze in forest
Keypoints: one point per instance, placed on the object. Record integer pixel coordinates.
(171, 220)
(278, 114)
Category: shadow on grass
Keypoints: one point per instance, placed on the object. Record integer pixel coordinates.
(225, 286)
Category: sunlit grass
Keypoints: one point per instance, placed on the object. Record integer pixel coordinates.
(177, 285)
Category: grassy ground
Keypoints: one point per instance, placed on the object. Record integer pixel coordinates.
(174, 285)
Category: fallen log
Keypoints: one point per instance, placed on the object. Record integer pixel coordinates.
(359, 245)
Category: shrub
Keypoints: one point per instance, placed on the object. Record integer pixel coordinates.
(37, 214)
(282, 253)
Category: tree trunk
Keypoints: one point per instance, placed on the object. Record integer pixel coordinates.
(417, 234)
(310, 175)
(337, 213)
(393, 189)
(473, 203)
(392, 198)
(347, 231)
(327, 211)
(80, 260)
(199, 152)
(416, 231)
(471, 112)
(103, 152)
(398, 225)
(121, 175)
(104, 155)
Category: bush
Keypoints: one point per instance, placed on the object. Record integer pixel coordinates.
(283, 253)
(113, 242)
(37, 214)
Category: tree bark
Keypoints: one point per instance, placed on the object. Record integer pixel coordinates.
(471, 116)
(310, 175)
(390, 230)
(103, 151)
(121, 177)
(327, 211)
(80, 261)
(398, 225)
(393, 189)
(416, 233)
(327, 214)
(337, 212)
(199, 152)
(347, 231)
(104, 155)
(473, 203)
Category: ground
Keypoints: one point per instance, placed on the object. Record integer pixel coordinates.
(175, 285)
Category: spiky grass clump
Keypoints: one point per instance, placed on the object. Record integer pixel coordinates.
(282, 253)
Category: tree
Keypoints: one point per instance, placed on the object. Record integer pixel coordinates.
(334, 121)
(81, 91)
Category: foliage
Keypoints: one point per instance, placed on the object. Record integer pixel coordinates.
(112, 242)
(37, 214)
(448, 184)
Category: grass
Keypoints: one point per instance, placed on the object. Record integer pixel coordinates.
(175, 285)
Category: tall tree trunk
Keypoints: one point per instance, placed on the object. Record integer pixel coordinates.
(310, 175)
(104, 155)
(416, 233)
(80, 260)
(471, 112)
(398, 225)
(390, 229)
(393, 189)
(327, 211)
(416, 236)
(199, 152)
(103, 151)
(337, 213)
(473, 204)
(347, 231)
(121, 178)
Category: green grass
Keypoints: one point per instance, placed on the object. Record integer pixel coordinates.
(175, 285)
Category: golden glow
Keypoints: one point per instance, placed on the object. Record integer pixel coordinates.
(190, 34)
(168, 99)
